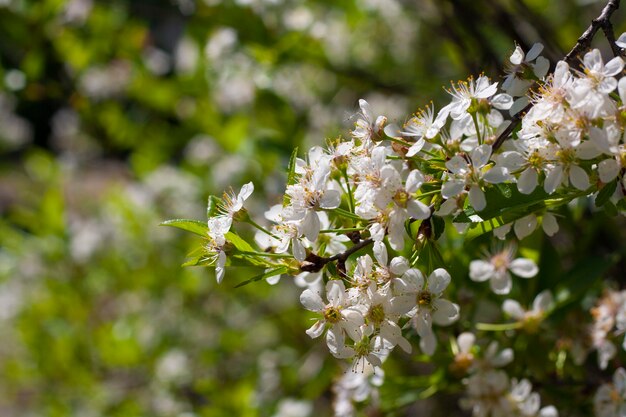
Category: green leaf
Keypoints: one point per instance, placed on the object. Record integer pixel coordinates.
(439, 225)
(575, 283)
(276, 271)
(193, 226)
(502, 210)
(504, 190)
(212, 207)
(605, 193)
(238, 242)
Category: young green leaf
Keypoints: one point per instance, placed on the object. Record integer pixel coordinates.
(270, 273)
(193, 226)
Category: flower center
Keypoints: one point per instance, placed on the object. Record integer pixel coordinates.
(401, 198)
(332, 314)
(424, 299)
(376, 314)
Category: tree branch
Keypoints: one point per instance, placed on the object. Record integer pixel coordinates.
(314, 263)
(601, 22)
(584, 43)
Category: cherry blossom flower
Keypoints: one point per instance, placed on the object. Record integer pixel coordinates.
(530, 319)
(341, 318)
(497, 270)
(610, 399)
(422, 301)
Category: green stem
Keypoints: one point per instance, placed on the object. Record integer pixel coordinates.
(261, 228)
(475, 119)
(350, 196)
(498, 327)
(345, 213)
(429, 193)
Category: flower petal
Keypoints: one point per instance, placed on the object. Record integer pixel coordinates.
(524, 268)
(311, 301)
(481, 271)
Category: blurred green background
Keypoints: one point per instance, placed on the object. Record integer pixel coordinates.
(116, 115)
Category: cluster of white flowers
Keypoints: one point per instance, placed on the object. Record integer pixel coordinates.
(610, 399)
(490, 391)
(609, 321)
(378, 192)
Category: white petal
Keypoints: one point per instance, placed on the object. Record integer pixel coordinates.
(517, 56)
(411, 281)
(331, 199)
(542, 65)
(416, 147)
(298, 250)
(578, 177)
(335, 339)
(502, 101)
(525, 226)
(311, 301)
(428, 343)
(614, 66)
(399, 265)
(480, 156)
(414, 181)
(316, 330)
(549, 411)
(553, 180)
(402, 304)
(438, 280)
(513, 309)
(457, 165)
(310, 225)
(246, 191)
(417, 209)
(496, 175)
(477, 198)
(511, 160)
(549, 224)
(481, 270)
(465, 341)
(352, 323)
(335, 291)
(524, 268)
(445, 312)
(608, 170)
(501, 283)
(621, 41)
(534, 51)
(503, 358)
(423, 323)
(380, 253)
(452, 188)
(621, 88)
(543, 301)
(518, 105)
(527, 181)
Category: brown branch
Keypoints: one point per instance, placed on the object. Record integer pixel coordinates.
(601, 22)
(582, 44)
(314, 263)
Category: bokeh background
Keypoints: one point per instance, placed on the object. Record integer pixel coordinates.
(116, 115)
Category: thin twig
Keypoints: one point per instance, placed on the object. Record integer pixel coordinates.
(601, 22)
(584, 43)
(315, 263)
